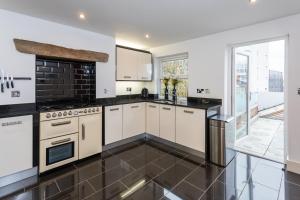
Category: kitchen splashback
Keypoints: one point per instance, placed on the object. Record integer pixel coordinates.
(58, 80)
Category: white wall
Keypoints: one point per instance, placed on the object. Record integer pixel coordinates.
(18, 64)
(209, 68)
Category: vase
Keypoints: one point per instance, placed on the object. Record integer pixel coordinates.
(174, 96)
(166, 94)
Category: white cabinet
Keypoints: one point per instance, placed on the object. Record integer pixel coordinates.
(16, 136)
(144, 68)
(190, 128)
(167, 122)
(126, 64)
(152, 119)
(133, 119)
(90, 135)
(113, 123)
(133, 65)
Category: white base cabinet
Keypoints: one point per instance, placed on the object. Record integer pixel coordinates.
(113, 124)
(152, 119)
(16, 136)
(190, 128)
(167, 122)
(133, 119)
(90, 135)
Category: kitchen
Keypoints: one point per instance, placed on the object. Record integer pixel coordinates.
(78, 115)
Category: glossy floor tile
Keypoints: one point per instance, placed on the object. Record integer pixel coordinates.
(150, 170)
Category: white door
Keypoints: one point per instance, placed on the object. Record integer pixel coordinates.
(113, 123)
(127, 61)
(15, 144)
(190, 128)
(152, 119)
(90, 135)
(133, 119)
(167, 122)
(145, 67)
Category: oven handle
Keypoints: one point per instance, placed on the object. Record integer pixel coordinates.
(60, 123)
(61, 141)
(83, 132)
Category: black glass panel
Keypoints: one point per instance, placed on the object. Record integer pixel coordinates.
(59, 153)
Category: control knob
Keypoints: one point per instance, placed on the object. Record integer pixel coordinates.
(85, 110)
(48, 115)
(54, 115)
(65, 113)
(75, 112)
(89, 110)
(59, 114)
(70, 112)
(93, 110)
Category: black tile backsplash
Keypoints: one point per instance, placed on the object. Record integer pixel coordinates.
(62, 80)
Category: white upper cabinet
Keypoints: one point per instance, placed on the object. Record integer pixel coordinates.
(190, 128)
(152, 119)
(133, 119)
(133, 65)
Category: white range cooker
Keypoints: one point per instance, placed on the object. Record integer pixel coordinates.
(68, 135)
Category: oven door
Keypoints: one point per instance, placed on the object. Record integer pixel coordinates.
(58, 151)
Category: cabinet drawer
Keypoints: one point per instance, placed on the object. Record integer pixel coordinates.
(133, 119)
(54, 128)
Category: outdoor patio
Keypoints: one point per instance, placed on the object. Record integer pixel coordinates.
(266, 137)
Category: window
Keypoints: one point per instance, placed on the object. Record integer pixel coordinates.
(175, 67)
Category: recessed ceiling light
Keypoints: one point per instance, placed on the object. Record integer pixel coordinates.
(147, 36)
(252, 1)
(82, 16)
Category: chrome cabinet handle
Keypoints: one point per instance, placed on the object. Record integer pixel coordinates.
(166, 108)
(151, 106)
(134, 106)
(61, 141)
(144, 77)
(114, 109)
(188, 111)
(126, 76)
(83, 132)
(12, 123)
(61, 123)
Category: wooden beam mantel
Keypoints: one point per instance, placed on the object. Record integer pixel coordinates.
(50, 50)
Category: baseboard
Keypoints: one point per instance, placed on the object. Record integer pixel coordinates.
(293, 166)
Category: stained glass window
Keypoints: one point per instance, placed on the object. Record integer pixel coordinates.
(175, 67)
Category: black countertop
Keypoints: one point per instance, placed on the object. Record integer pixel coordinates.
(32, 108)
(191, 102)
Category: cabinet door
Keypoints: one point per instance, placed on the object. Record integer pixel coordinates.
(145, 67)
(126, 64)
(90, 135)
(190, 128)
(133, 119)
(167, 122)
(152, 119)
(113, 124)
(15, 144)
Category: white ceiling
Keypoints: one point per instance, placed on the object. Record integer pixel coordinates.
(167, 21)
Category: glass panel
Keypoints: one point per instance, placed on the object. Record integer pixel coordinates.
(59, 153)
(241, 94)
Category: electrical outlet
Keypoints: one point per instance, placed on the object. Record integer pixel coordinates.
(15, 93)
(199, 91)
(128, 89)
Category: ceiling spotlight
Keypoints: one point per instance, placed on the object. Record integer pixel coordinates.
(252, 1)
(82, 16)
(147, 36)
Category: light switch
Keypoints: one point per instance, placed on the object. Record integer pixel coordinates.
(15, 93)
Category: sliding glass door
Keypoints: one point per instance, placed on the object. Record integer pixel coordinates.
(241, 93)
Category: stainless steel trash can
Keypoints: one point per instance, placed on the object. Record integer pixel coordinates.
(221, 139)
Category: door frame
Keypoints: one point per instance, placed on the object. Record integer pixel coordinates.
(233, 88)
(230, 50)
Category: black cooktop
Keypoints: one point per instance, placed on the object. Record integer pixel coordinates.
(45, 107)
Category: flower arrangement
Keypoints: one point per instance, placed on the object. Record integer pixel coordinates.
(166, 81)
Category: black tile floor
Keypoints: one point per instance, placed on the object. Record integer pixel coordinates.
(146, 170)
